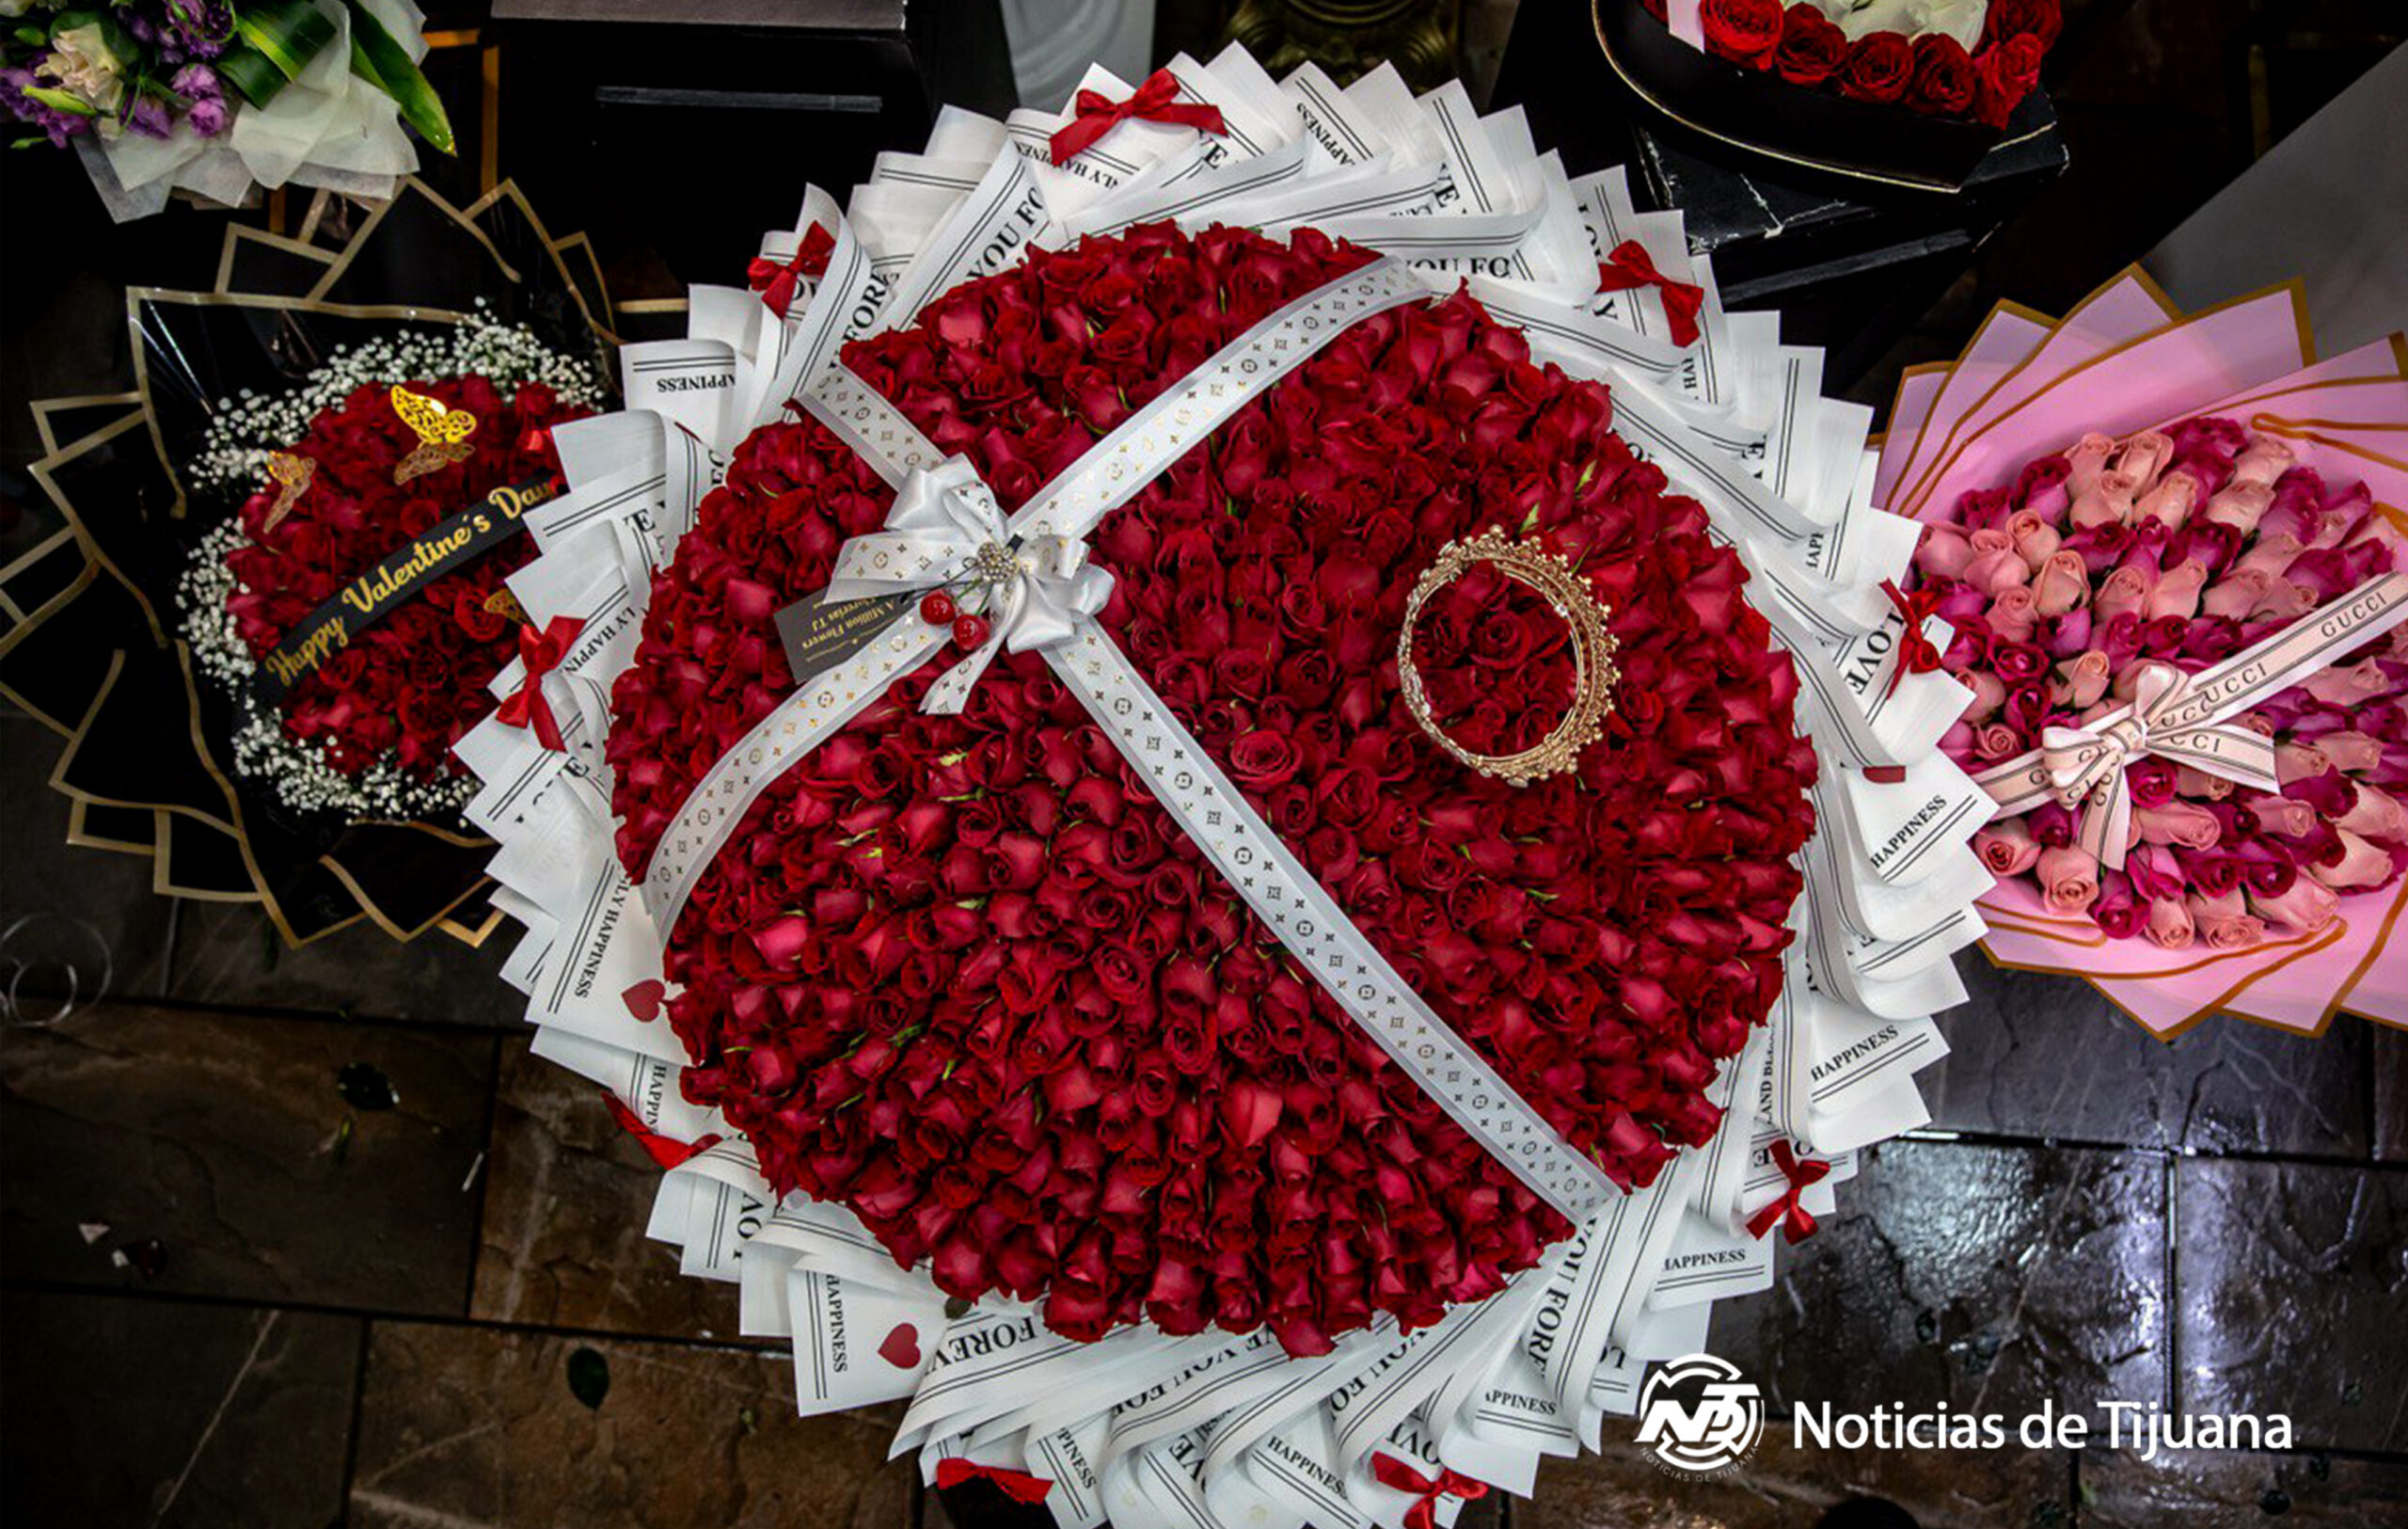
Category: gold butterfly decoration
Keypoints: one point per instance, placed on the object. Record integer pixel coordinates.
(501, 602)
(442, 433)
(292, 474)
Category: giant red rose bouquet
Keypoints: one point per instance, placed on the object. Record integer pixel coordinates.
(1047, 882)
(962, 973)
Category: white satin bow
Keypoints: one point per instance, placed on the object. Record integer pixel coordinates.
(2087, 764)
(946, 531)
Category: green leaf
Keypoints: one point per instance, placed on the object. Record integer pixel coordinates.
(60, 99)
(378, 58)
(289, 33)
(31, 37)
(256, 80)
(589, 1377)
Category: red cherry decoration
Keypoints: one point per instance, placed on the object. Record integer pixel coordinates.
(936, 608)
(971, 631)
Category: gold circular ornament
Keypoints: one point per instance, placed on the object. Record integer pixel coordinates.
(1568, 595)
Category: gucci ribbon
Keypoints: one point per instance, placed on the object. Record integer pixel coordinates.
(1916, 653)
(1629, 267)
(2087, 765)
(1789, 1212)
(1017, 1485)
(1094, 114)
(541, 652)
(1397, 1476)
(667, 1151)
(2184, 717)
(946, 531)
(776, 280)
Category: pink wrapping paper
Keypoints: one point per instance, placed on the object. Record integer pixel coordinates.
(2122, 362)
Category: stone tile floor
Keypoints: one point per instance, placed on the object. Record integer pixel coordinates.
(307, 1238)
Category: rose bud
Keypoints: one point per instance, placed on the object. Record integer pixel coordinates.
(2085, 462)
(2084, 680)
(2035, 539)
(2124, 592)
(2238, 505)
(2062, 584)
(2108, 502)
(2142, 458)
(2309, 906)
(2069, 880)
(2374, 815)
(1943, 551)
(2176, 592)
(2224, 922)
(2260, 462)
(2169, 924)
(2006, 848)
(2178, 823)
(2353, 863)
(2172, 501)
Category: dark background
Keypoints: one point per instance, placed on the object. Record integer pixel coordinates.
(307, 1237)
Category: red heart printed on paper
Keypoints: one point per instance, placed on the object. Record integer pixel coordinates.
(644, 1000)
(965, 975)
(901, 1347)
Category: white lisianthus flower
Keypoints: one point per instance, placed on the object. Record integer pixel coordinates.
(80, 61)
(1959, 19)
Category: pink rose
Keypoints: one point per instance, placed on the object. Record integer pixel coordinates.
(1943, 551)
(2125, 591)
(2169, 924)
(2270, 554)
(2084, 677)
(2224, 922)
(2172, 500)
(2176, 592)
(2015, 614)
(2374, 814)
(2354, 863)
(1996, 744)
(2201, 786)
(1990, 693)
(2086, 461)
(2143, 456)
(2352, 751)
(2349, 686)
(2234, 595)
(2069, 880)
(2178, 823)
(2108, 501)
(2034, 539)
(2300, 761)
(2007, 848)
(2285, 601)
(2260, 462)
(2308, 907)
(1995, 565)
(2281, 816)
(2240, 506)
(2062, 584)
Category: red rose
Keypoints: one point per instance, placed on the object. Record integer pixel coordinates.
(1879, 66)
(1945, 82)
(1811, 49)
(1744, 31)
(2007, 73)
(2039, 20)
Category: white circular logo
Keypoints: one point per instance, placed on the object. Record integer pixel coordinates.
(1699, 1415)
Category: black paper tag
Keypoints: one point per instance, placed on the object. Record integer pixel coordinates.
(818, 636)
(395, 581)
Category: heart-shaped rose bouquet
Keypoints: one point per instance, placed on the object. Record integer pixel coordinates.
(1000, 1041)
(963, 975)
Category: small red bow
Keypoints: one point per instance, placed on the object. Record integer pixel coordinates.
(1392, 1473)
(1796, 1223)
(776, 281)
(542, 652)
(1629, 266)
(1916, 654)
(1156, 100)
(1017, 1485)
(666, 1151)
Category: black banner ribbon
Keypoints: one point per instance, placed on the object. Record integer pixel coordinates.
(461, 538)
